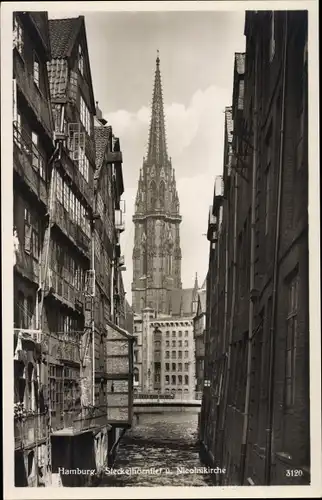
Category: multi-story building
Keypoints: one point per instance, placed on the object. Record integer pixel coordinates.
(33, 150)
(164, 351)
(256, 398)
(199, 329)
(67, 189)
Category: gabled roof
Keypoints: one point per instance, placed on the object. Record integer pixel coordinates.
(63, 33)
(102, 135)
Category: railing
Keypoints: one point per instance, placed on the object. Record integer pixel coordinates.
(82, 420)
(29, 429)
(58, 285)
(29, 162)
(35, 99)
(63, 220)
(172, 395)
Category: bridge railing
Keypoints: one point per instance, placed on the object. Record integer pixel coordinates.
(172, 395)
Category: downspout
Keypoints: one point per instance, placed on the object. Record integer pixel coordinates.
(93, 306)
(251, 279)
(232, 310)
(271, 385)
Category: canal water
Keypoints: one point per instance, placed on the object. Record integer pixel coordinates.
(160, 450)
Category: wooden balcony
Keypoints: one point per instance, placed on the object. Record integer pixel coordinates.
(36, 101)
(73, 231)
(71, 167)
(29, 430)
(77, 422)
(63, 290)
(29, 164)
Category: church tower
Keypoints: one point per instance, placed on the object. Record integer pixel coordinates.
(156, 252)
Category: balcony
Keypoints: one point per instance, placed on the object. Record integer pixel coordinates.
(72, 168)
(29, 430)
(36, 101)
(77, 422)
(29, 164)
(62, 290)
(73, 231)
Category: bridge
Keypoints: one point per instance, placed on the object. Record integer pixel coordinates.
(162, 403)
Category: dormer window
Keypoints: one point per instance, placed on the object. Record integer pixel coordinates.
(80, 60)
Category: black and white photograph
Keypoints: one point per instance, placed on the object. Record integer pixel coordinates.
(162, 288)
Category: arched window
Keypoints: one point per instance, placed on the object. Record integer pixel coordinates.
(186, 380)
(162, 194)
(153, 194)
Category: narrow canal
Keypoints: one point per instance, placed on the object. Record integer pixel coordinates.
(160, 450)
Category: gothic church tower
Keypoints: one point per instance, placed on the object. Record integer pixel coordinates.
(156, 253)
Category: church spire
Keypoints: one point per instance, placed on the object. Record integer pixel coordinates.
(157, 146)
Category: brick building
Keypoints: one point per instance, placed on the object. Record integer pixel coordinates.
(256, 397)
(67, 189)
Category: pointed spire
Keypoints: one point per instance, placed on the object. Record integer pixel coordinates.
(157, 146)
(196, 286)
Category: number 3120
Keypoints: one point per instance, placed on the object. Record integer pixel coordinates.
(294, 473)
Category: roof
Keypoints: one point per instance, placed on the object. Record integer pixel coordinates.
(229, 123)
(181, 302)
(63, 33)
(102, 137)
(240, 62)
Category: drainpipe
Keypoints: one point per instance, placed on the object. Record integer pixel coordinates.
(268, 457)
(232, 310)
(252, 278)
(93, 311)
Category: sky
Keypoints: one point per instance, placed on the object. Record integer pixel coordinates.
(196, 62)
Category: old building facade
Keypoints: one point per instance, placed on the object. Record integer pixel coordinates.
(257, 334)
(199, 332)
(67, 189)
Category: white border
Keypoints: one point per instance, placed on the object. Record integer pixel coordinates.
(314, 490)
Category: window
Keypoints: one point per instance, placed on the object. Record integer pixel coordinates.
(186, 343)
(85, 116)
(167, 379)
(167, 334)
(272, 38)
(37, 159)
(80, 60)
(174, 367)
(291, 339)
(186, 354)
(18, 38)
(180, 343)
(59, 188)
(180, 367)
(180, 334)
(186, 380)
(179, 379)
(173, 355)
(173, 343)
(36, 70)
(167, 354)
(186, 333)
(31, 234)
(167, 367)
(84, 167)
(180, 354)
(186, 367)
(173, 379)
(167, 343)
